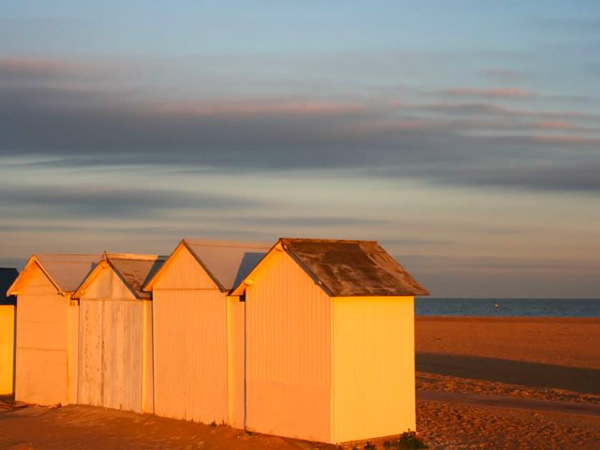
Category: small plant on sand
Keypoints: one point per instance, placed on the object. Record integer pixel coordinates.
(369, 446)
(408, 440)
(213, 424)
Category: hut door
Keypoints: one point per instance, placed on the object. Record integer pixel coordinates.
(110, 356)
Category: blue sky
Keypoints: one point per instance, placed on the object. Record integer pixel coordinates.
(463, 135)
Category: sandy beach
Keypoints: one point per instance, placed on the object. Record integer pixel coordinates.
(513, 358)
(530, 370)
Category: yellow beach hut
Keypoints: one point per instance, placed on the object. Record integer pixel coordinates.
(7, 331)
(329, 346)
(115, 333)
(47, 327)
(198, 365)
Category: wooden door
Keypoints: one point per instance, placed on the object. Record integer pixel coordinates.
(111, 354)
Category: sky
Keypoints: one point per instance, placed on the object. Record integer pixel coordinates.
(464, 136)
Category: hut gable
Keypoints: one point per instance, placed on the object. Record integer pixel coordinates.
(63, 271)
(120, 275)
(136, 270)
(181, 270)
(47, 327)
(207, 264)
(344, 268)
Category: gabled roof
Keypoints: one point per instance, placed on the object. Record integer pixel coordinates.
(348, 268)
(7, 278)
(133, 269)
(65, 271)
(226, 262)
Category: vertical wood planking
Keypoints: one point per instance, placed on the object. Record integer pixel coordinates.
(111, 353)
(190, 350)
(236, 335)
(7, 338)
(374, 374)
(41, 372)
(288, 353)
(73, 350)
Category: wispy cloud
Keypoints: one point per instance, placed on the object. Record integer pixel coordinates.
(101, 201)
(424, 141)
(578, 25)
(260, 107)
(34, 67)
(506, 93)
(504, 74)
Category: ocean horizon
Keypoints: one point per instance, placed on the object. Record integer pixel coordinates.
(508, 307)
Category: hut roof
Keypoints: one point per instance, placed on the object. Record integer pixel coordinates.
(135, 270)
(344, 268)
(226, 262)
(7, 277)
(65, 271)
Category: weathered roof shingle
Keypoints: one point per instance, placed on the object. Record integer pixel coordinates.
(135, 270)
(352, 268)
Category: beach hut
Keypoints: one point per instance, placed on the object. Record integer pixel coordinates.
(329, 348)
(7, 331)
(115, 333)
(198, 365)
(47, 327)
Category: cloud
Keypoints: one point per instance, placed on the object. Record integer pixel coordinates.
(105, 202)
(259, 108)
(17, 263)
(557, 125)
(578, 25)
(506, 93)
(497, 111)
(565, 177)
(32, 67)
(504, 74)
(570, 139)
(116, 126)
(312, 221)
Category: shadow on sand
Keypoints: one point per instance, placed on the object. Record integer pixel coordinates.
(530, 374)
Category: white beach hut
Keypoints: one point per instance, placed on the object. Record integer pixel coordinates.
(329, 348)
(115, 330)
(198, 339)
(7, 330)
(47, 327)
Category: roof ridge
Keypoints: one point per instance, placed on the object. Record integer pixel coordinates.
(226, 243)
(67, 254)
(135, 256)
(354, 241)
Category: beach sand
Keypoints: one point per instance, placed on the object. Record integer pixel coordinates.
(510, 360)
(545, 359)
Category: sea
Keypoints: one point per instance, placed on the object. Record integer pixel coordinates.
(507, 307)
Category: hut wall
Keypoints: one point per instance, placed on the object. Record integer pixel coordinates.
(148, 357)
(288, 353)
(236, 361)
(373, 367)
(7, 354)
(41, 374)
(190, 343)
(72, 349)
(112, 348)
